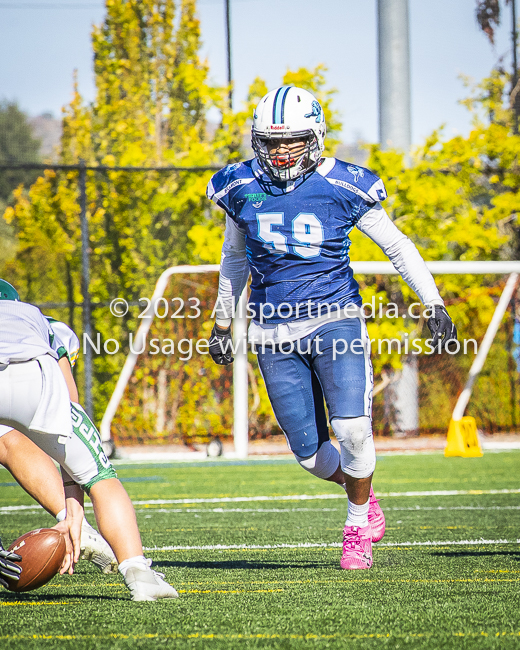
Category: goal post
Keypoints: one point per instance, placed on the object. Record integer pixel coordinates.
(240, 374)
(462, 431)
(237, 409)
(478, 363)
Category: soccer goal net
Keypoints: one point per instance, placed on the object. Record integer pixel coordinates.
(171, 392)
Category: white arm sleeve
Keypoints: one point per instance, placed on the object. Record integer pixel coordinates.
(234, 271)
(402, 253)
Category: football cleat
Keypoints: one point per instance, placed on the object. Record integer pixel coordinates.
(376, 518)
(96, 549)
(357, 548)
(146, 584)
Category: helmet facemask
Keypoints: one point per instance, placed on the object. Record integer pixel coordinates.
(281, 159)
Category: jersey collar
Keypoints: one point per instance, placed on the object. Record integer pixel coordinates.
(326, 166)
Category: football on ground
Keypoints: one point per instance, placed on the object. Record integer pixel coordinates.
(42, 553)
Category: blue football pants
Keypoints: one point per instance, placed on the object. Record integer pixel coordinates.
(318, 368)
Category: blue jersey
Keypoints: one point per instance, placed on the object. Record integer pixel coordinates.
(297, 233)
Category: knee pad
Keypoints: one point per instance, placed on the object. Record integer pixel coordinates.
(323, 463)
(358, 454)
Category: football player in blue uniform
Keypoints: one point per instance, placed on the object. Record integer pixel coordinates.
(289, 212)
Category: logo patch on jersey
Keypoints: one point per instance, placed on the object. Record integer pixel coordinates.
(231, 168)
(351, 188)
(316, 111)
(356, 172)
(257, 198)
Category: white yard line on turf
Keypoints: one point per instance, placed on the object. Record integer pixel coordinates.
(291, 497)
(418, 508)
(260, 547)
(232, 510)
(31, 510)
(271, 510)
(314, 497)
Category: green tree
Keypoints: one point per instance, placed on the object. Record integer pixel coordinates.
(17, 145)
(489, 17)
(488, 14)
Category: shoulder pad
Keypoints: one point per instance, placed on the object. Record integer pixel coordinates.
(229, 178)
(353, 178)
(67, 337)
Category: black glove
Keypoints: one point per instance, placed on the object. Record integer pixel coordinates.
(220, 345)
(442, 328)
(7, 567)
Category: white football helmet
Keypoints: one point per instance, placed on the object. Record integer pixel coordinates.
(288, 113)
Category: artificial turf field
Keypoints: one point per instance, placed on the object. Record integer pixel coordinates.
(253, 550)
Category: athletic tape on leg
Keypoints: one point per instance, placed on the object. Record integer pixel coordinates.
(323, 463)
(358, 453)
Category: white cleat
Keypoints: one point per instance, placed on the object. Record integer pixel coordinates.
(146, 584)
(96, 549)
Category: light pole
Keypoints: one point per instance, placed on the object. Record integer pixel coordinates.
(514, 84)
(228, 50)
(85, 280)
(395, 132)
(394, 75)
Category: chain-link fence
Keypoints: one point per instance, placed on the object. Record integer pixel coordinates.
(87, 233)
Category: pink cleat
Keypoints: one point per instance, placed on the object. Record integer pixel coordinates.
(357, 548)
(376, 518)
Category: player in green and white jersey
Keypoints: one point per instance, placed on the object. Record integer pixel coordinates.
(37, 474)
(38, 397)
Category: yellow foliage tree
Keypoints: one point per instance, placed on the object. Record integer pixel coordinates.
(152, 98)
(458, 200)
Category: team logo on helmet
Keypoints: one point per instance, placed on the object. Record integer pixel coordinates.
(356, 172)
(316, 111)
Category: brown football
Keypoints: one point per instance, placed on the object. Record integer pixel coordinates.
(42, 553)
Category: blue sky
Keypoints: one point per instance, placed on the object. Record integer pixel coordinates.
(43, 41)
